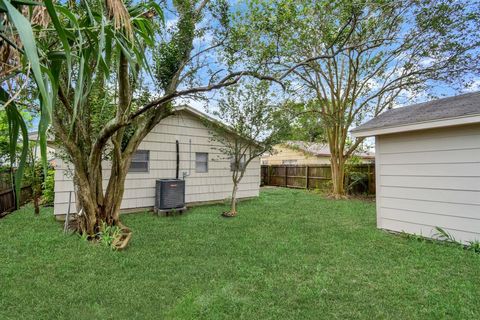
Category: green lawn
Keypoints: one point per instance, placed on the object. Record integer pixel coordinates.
(288, 255)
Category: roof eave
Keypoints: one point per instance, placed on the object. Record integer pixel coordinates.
(210, 119)
(470, 119)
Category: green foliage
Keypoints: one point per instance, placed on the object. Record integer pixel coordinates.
(353, 175)
(19, 26)
(474, 246)
(33, 173)
(380, 54)
(48, 190)
(16, 126)
(109, 236)
(247, 110)
(4, 136)
(299, 121)
(78, 63)
(290, 255)
(444, 235)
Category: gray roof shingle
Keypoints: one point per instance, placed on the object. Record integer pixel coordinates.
(451, 107)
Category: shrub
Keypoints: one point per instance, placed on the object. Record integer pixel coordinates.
(109, 236)
(355, 179)
(48, 188)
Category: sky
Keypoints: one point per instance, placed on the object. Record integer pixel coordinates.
(438, 89)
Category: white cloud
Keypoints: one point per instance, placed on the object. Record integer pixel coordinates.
(473, 86)
(194, 103)
(170, 23)
(426, 62)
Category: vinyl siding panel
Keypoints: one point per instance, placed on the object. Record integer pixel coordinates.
(301, 158)
(293, 156)
(140, 186)
(428, 179)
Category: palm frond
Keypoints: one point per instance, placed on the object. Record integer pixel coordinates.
(117, 11)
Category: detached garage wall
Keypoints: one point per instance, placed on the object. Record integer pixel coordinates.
(214, 185)
(430, 178)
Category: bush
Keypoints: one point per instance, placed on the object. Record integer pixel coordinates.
(48, 194)
(109, 236)
(356, 179)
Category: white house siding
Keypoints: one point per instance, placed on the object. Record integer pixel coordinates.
(430, 178)
(213, 185)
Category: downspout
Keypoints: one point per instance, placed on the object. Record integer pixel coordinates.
(178, 160)
(184, 173)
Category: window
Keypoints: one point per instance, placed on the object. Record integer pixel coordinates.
(140, 161)
(201, 162)
(232, 163)
(287, 162)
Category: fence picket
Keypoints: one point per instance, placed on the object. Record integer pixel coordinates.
(314, 177)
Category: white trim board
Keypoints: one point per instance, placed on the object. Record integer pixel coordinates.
(417, 126)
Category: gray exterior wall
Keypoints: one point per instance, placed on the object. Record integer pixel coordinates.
(430, 178)
(200, 187)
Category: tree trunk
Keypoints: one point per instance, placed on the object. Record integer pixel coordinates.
(338, 176)
(36, 203)
(96, 206)
(233, 204)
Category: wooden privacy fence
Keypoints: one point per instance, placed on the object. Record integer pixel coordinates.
(7, 195)
(5, 180)
(359, 179)
(7, 199)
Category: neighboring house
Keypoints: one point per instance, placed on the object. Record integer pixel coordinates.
(428, 167)
(305, 153)
(207, 172)
(33, 138)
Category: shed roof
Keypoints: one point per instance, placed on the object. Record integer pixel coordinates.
(460, 109)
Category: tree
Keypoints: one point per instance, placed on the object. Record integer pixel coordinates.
(99, 50)
(35, 178)
(19, 65)
(179, 71)
(246, 112)
(11, 151)
(4, 137)
(295, 122)
(90, 39)
(391, 50)
(96, 61)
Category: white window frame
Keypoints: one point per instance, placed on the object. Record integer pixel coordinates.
(242, 162)
(147, 161)
(202, 162)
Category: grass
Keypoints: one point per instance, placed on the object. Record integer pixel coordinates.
(288, 255)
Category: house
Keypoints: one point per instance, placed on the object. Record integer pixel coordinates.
(33, 138)
(305, 153)
(206, 171)
(427, 159)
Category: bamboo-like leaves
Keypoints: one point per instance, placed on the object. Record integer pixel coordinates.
(24, 29)
(16, 125)
(15, 120)
(87, 41)
(61, 34)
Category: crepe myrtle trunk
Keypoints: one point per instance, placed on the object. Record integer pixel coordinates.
(237, 176)
(338, 175)
(233, 204)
